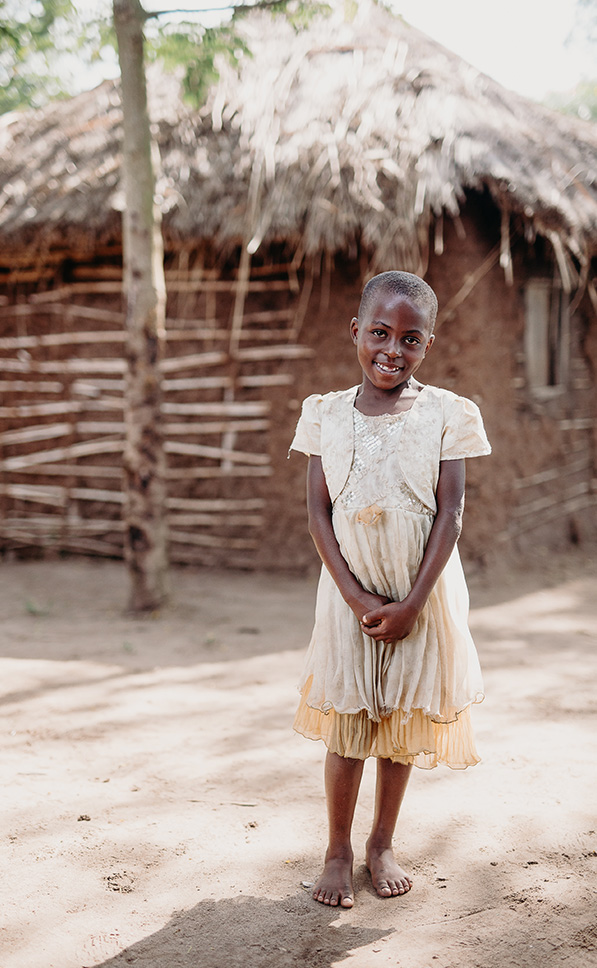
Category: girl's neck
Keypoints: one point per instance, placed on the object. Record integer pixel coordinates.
(374, 402)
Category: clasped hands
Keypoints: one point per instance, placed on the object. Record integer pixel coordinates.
(385, 620)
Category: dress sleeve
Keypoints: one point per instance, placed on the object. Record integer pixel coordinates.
(464, 434)
(307, 436)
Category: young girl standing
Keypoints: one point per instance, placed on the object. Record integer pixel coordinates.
(391, 670)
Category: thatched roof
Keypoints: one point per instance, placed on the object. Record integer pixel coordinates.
(348, 132)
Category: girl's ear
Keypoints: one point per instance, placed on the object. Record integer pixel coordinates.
(354, 328)
(430, 343)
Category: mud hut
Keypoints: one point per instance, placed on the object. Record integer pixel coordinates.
(353, 146)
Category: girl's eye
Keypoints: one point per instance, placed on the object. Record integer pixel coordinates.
(411, 340)
(378, 332)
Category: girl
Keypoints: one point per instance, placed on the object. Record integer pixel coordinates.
(391, 669)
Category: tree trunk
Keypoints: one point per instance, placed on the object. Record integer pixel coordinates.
(144, 461)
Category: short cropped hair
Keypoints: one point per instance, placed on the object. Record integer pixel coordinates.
(405, 283)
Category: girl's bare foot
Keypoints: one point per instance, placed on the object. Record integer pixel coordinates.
(388, 878)
(334, 887)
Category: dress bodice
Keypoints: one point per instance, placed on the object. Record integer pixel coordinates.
(376, 476)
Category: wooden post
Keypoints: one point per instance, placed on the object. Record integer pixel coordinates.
(144, 461)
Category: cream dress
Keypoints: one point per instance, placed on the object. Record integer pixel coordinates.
(407, 700)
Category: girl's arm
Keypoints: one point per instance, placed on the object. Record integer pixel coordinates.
(321, 529)
(397, 620)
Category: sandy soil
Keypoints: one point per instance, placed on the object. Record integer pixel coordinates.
(159, 812)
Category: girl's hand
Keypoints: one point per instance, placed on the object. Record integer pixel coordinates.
(390, 622)
(366, 603)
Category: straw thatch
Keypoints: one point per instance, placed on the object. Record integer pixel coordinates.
(351, 133)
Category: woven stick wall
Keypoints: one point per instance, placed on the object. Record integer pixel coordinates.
(62, 422)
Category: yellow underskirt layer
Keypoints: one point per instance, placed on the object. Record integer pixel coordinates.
(418, 740)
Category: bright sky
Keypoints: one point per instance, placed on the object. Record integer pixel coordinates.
(521, 43)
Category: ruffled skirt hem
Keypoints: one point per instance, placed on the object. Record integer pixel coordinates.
(413, 739)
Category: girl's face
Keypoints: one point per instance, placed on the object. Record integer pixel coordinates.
(392, 340)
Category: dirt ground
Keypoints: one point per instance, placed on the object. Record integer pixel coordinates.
(158, 811)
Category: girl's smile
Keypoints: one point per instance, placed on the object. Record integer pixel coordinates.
(392, 340)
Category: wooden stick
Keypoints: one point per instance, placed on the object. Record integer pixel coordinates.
(194, 361)
(236, 408)
(40, 494)
(174, 285)
(555, 512)
(26, 436)
(61, 339)
(98, 427)
(211, 541)
(96, 472)
(188, 429)
(198, 473)
(269, 380)
(63, 453)
(227, 426)
(574, 491)
(46, 494)
(216, 504)
(263, 335)
(215, 520)
(73, 289)
(78, 337)
(76, 310)
(66, 543)
(555, 472)
(30, 386)
(195, 329)
(217, 453)
(182, 328)
(275, 353)
(303, 304)
(198, 383)
(92, 386)
(243, 279)
(64, 526)
(60, 406)
(70, 543)
(64, 366)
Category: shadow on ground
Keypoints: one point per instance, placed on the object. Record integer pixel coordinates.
(250, 932)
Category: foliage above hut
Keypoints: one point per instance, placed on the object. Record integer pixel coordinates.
(351, 132)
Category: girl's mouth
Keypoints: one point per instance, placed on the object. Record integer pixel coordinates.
(387, 367)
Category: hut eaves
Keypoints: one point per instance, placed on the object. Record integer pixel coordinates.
(345, 133)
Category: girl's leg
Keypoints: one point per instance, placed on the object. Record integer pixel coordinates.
(389, 880)
(342, 781)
